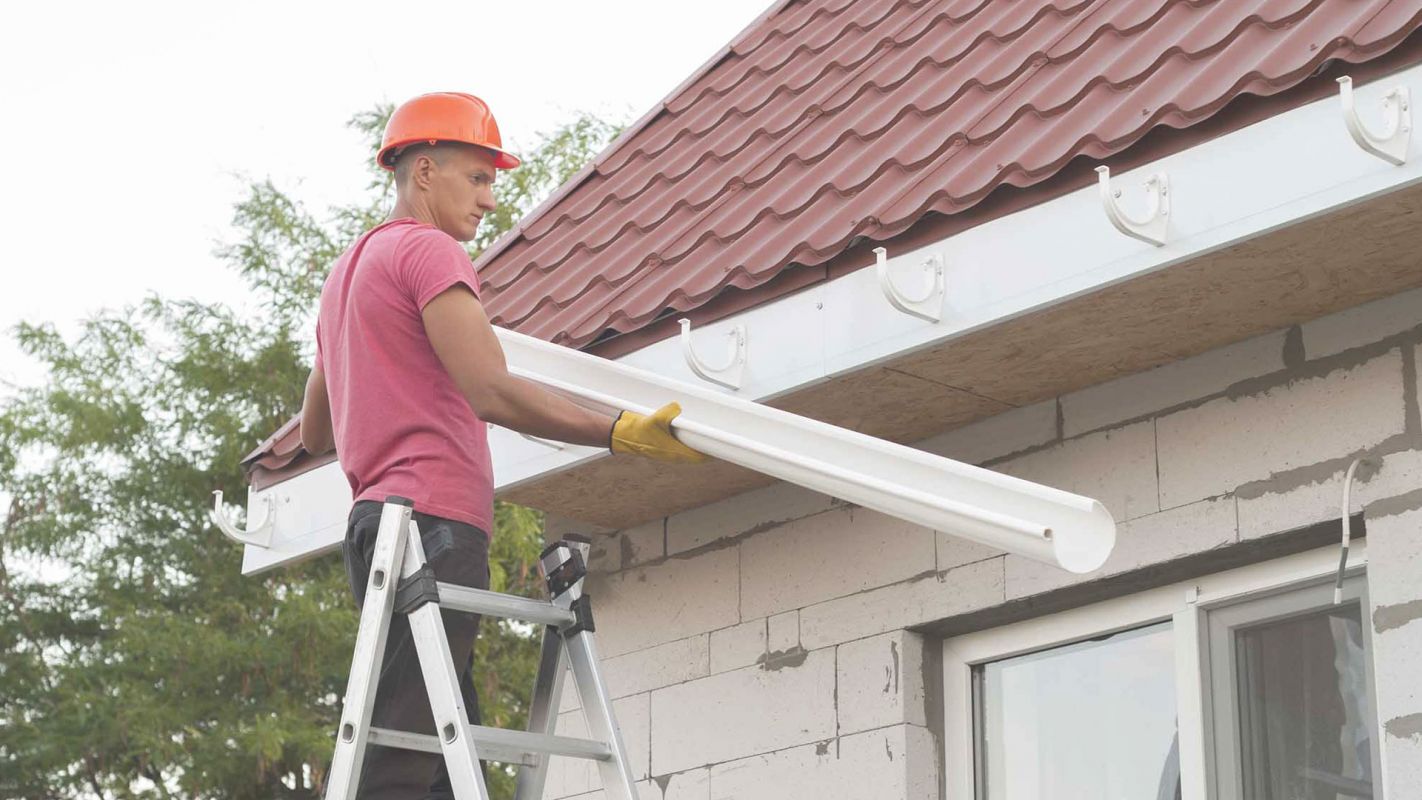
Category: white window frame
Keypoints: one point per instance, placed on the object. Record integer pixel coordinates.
(1185, 604)
(1220, 627)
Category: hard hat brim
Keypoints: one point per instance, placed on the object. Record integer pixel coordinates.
(503, 159)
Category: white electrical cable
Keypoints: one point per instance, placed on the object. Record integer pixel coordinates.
(1347, 509)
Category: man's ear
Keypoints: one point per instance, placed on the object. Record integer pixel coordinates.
(422, 171)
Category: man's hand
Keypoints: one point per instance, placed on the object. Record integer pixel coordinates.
(651, 436)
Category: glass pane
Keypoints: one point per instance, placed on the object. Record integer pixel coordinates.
(1305, 722)
(1093, 719)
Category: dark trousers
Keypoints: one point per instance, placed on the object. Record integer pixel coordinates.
(458, 553)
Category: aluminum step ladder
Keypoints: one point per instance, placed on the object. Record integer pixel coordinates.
(568, 634)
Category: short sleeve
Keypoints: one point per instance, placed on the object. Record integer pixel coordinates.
(429, 261)
(318, 345)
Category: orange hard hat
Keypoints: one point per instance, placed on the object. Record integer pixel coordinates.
(443, 117)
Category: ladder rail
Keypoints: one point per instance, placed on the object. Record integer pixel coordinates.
(618, 783)
(543, 711)
(369, 652)
(461, 754)
(559, 564)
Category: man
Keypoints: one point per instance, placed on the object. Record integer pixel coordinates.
(408, 372)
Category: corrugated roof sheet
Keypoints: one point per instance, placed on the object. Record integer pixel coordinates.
(829, 120)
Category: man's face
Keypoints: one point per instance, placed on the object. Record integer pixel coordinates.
(461, 190)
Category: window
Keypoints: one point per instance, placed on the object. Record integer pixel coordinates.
(1290, 697)
(1091, 719)
(1246, 684)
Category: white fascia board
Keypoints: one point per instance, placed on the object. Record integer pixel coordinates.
(309, 515)
(1280, 171)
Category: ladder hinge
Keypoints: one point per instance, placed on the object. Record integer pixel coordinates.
(565, 574)
(582, 610)
(416, 590)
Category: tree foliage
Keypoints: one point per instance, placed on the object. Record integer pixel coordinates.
(135, 660)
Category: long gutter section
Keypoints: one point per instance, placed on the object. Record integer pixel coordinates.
(1067, 530)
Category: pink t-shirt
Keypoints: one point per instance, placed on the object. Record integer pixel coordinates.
(401, 425)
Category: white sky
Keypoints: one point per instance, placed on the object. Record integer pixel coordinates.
(131, 128)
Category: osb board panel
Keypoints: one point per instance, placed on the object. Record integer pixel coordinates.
(889, 404)
(1369, 251)
(621, 492)
(1363, 253)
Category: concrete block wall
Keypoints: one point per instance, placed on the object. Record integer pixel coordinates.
(760, 647)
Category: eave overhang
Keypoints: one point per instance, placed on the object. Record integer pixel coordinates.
(1272, 224)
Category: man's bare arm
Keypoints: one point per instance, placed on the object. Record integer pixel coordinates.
(316, 434)
(464, 340)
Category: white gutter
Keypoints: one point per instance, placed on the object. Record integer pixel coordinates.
(1278, 172)
(1066, 530)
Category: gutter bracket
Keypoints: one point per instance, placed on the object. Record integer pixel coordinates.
(729, 374)
(928, 307)
(1391, 144)
(259, 535)
(1152, 228)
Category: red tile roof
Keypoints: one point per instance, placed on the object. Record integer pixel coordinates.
(828, 120)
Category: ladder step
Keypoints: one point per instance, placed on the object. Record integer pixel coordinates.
(479, 601)
(499, 744)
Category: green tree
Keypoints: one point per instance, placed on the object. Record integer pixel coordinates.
(135, 660)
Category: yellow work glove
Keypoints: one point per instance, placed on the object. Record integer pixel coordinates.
(651, 436)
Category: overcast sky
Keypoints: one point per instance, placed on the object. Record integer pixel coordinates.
(131, 128)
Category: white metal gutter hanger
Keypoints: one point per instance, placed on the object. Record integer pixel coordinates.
(258, 535)
(1067, 530)
(1152, 228)
(928, 307)
(729, 374)
(1391, 144)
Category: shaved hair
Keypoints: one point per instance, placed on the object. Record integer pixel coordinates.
(405, 159)
(438, 152)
